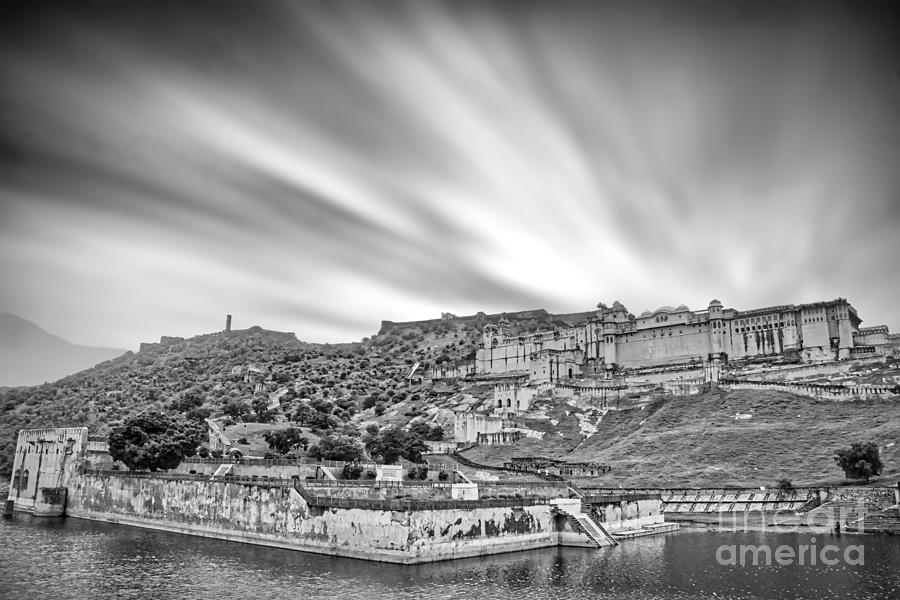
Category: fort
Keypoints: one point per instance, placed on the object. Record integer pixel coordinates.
(606, 356)
(283, 504)
(613, 339)
(608, 360)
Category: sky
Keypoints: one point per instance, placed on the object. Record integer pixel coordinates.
(317, 167)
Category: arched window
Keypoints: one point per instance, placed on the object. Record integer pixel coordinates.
(570, 373)
(508, 402)
(17, 476)
(499, 402)
(24, 484)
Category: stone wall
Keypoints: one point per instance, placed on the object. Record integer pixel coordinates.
(622, 514)
(44, 458)
(788, 372)
(817, 390)
(467, 426)
(280, 516)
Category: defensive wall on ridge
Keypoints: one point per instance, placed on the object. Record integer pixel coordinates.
(823, 391)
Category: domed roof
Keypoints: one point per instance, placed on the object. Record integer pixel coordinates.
(646, 313)
(715, 302)
(667, 309)
(681, 307)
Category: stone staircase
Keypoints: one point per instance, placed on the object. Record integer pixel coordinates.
(326, 473)
(223, 470)
(595, 532)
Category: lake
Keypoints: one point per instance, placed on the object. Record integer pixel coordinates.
(77, 559)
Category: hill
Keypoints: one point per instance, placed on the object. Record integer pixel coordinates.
(254, 380)
(232, 375)
(30, 356)
(697, 441)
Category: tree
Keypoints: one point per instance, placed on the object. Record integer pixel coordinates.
(860, 460)
(785, 486)
(235, 409)
(154, 440)
(432, 433)
(392, 443)
(338, 447)
(286, 440)
(261, 408)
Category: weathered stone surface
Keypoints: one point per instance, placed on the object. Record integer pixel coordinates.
(281, 517)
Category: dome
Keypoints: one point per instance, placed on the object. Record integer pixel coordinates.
(666, 309)
(715, 302)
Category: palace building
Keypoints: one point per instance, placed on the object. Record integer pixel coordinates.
(614, 339)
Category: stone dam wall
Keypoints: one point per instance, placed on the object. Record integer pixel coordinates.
(279, 515)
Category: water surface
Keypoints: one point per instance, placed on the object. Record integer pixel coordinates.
(77, 559)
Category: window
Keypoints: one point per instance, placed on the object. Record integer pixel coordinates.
(24, 484)
(17, 476)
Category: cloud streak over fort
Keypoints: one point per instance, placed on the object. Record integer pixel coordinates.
(316, 167)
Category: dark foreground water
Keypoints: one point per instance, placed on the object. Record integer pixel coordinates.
(71, 558)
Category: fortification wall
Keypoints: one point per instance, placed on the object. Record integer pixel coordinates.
(275, 471)
(819, 391)
(372, 490)
(279, 516)
(627, 514)
(44, 458)
(797, 371)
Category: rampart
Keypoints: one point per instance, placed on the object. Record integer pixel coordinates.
(822, 391)
(284, 514)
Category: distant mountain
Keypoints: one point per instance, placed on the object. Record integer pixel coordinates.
(31, 356)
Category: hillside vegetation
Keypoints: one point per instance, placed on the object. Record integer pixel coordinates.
(697, 441)
(254, 380)
(210, 375)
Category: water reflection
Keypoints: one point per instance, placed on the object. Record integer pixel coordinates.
(56, 558)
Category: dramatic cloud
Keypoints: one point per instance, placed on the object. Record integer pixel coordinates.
(320, 166)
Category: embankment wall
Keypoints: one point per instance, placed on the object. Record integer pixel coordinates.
(280, 516)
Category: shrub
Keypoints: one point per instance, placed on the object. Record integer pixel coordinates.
(443, 476)
(860, 461)
(352, 471)
(418, 472)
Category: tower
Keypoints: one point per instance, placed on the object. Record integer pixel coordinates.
(716, 330)
(504, 328)
(227, 323)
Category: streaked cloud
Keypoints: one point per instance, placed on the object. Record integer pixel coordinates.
(318, 167)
